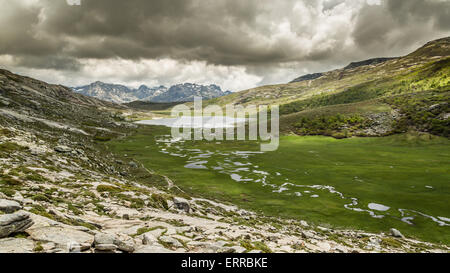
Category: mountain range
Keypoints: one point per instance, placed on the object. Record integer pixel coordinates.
(178, 93)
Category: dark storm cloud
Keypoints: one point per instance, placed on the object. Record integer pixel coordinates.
(228, 32)
(194, 30)
(397, 25)
(259, 41)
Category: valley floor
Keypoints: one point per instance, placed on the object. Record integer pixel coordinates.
(59, 197)
(371, 184)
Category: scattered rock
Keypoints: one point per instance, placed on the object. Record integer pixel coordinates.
(239, 249)
(396, 233)
(126, 217)
(153, 249)
(149, 239)
(182, 204)
(124, 246)
(307, 234)
(63, 149)
(226, 250)
(106, 247)
(13, 223)
(8, 206)
(133, 165)
(170, 241)
(324, 246)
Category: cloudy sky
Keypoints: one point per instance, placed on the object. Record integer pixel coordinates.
(237, 44)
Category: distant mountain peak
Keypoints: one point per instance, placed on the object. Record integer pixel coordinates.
(177, 93)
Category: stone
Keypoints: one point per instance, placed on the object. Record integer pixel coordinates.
(239, 249)
(13, 223)
(255, 251)
(206, 247)
(304, 223)
(153, 249)
(16, 245)
(307, 234)
(76, 248)
(124, 246)
(63, 149)
(170, 241)
(133, 164)
(324, 246)
(62, 237)
(106, 247)
(104, 239)
(396, 233)
(182, 204)
(226, 250)
(8, 206)
(149, 239)
(126, 217)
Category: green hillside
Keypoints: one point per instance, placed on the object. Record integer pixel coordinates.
(365, 98)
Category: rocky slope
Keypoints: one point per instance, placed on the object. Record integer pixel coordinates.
(61, 190)
(177, 93)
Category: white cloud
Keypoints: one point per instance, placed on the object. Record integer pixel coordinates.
(149, 72)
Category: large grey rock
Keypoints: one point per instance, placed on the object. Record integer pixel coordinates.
(63, 149)
(182, 204)
(109, 242)
(8, 206)
(124, 246)
(16, 245)
(104, 239)
(13, 223)
(62, 237)
(396, 233)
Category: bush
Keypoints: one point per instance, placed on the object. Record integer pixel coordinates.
(108, 188)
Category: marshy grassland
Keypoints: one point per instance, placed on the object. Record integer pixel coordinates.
(338, 183)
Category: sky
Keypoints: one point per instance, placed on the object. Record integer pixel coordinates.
(237, 44)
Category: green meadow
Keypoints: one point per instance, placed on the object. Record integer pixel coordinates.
(325, 181)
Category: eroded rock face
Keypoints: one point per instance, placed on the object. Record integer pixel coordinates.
(8, 206)
(13, 223)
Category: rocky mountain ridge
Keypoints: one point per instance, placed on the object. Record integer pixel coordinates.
(178, 93)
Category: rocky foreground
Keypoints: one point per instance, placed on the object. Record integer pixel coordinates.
(61, 190)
